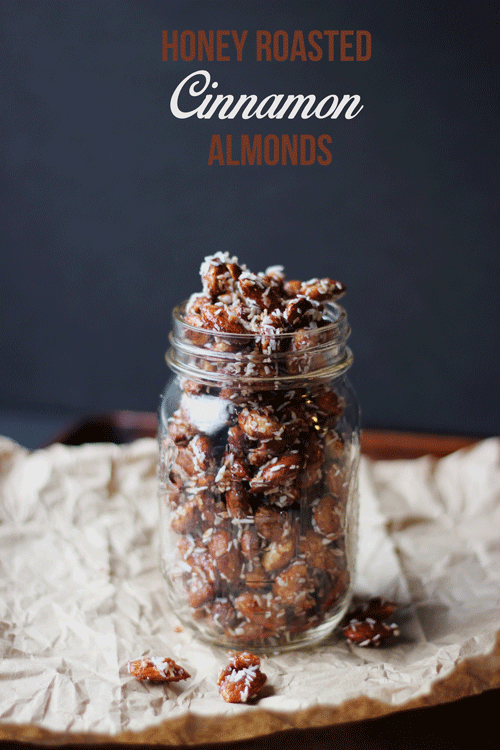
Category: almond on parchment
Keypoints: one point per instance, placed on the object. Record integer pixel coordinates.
(157, 669)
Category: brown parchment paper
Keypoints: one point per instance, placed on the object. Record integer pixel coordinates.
(81, 595)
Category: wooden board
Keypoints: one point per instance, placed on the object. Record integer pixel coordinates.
(125, 426)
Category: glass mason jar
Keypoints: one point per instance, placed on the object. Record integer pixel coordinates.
(259, 452)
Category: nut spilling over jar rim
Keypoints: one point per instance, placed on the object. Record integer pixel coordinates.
(280, 328)
(237, 301)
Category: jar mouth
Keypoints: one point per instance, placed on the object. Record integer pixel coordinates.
(337, 326)
(237, 357)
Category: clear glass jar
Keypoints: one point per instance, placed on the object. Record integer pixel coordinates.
(259, 451)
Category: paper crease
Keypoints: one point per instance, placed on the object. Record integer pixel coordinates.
(81, 594)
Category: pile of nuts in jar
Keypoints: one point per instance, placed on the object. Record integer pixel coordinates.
(258, 507)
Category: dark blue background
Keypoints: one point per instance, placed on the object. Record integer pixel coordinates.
(110, 205)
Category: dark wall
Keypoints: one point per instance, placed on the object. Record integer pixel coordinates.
(110, 204)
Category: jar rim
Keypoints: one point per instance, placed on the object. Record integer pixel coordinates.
(338, 324)
(327, 356)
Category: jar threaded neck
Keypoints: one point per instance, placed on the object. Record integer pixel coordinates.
(286, 359)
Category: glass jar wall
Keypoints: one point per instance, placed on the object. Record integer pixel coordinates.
(259, 450)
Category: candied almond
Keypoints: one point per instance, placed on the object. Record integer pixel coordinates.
(201, 445)
(226, 554)
(313, 461)
(241, 679)
(258, 424)
(222, 613)
(218, 273)
(279, 553)
(185, 460)
(200, 582)
(318, 555)
(157, 669)
(186, 517)
(239, 469)
(369, 632)
(263, 452)
(292, 287)
(322, 289)
(293, 587)
(221, 319)
(237, 440)
(296, 312)
(237, 502)
(214, 281)
(270, 522)
(327, 401)
(257, 578)
(245, 631)
(276, 472)
(254, 289)
(249, 542)
(335, 480)
(326, 518)
(196, 321)
(334, 589)
(377, 608)
(195, 303)
(333, 447)
(260, 608)
(179, 430)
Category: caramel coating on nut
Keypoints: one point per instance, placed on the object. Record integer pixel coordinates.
(264, 452)
(276, 472)
(221, 319)
(185, 460)
(254, 289)
(201, 581)
(186, 517)
(157, 669)
(293, 587)
(258, 424)
(322, 289)
(327, 402)
(333, 448)
(370, 633)
(377, 608)
(237, 440)
(218, 277)
(246, 631)
(270, 522)
(296, 312)
(279, 553)
(326, 518)
(201, 447)
(222, 614)
(257, 578)
(336, 587)
(335, 480)
(317, 554)
(313, 460)
(249, 543)
(226, 554)
(237, 502)
(261, 609)
(292, 287)
(180, 431)
(242, 678)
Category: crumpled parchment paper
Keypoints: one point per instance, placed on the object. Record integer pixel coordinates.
(81, 595)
